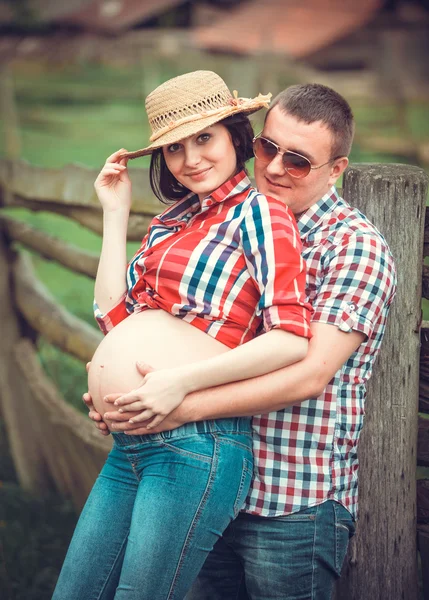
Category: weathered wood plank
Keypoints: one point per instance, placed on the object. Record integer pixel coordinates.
(14, 394)
(383, 565)
(45, 315)
(91, 218)
(73, 449)
(50, 247)
(73, 185)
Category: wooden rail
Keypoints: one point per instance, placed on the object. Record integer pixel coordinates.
(56, 447)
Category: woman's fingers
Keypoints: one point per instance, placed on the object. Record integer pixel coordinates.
(116, 155)
(109, 171)
(127, 399)
(155, 422)
(134, 407)
(143, 416)
(110, 165)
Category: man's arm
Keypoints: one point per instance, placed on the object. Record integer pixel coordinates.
(329, 349)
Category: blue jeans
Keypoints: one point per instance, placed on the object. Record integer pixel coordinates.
(296, 557)
(156, 510)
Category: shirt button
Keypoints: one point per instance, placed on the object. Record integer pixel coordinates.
(209, 202)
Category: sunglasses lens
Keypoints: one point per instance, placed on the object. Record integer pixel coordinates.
(295, 165)
(264, 149)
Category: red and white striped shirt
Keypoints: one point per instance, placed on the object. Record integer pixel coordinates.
(230, 266)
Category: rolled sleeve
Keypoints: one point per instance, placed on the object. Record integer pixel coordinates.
(358, 284)
(272, 250)
(107, 321)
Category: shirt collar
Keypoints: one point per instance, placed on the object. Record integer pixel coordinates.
(183, 209)
(236, 185)
(319, 211)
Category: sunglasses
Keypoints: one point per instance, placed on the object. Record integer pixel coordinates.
(296, 165)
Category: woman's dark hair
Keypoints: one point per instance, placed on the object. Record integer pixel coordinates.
(166, 187)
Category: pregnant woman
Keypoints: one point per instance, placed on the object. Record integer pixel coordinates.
(221, 259)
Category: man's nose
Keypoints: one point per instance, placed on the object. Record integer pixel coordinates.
(275, 167)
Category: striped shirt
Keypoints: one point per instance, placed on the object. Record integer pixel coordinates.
(306, 454)
(230, 266)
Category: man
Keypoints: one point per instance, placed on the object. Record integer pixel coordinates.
(291, 538)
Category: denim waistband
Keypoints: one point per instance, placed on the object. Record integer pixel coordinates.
(219, 426)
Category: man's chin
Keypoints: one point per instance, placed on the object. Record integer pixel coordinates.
(278, 193)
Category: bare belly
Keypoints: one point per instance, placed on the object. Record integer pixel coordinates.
(152, 336)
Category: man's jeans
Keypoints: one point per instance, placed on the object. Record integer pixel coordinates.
(297, 557)
(156, 510)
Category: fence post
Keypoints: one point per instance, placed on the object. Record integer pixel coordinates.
(381, 563)
(16, 403)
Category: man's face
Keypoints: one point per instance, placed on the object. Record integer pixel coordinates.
(313, 141)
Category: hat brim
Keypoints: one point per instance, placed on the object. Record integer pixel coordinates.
(185, 130)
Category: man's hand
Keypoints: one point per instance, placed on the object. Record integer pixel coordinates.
(120, 422)
(94, 415)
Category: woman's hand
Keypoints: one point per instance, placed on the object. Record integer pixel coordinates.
(161, 392)
(113, 185)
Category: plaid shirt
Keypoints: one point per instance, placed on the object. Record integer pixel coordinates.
(228, 266)
(306, 454)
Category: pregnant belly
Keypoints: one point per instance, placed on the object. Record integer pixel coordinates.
(151, 336)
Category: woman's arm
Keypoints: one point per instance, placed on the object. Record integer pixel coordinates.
(268, 352)
(329, 348)
(113, 187)
(163, 390)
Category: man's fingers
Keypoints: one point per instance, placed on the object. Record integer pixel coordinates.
(101, 426)
(156, 421)
(110, 398)
(94, 416)
(88, 400)
(115, 415)
(124, 426)
(138, 430)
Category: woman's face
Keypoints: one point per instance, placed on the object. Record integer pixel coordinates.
(204, 161)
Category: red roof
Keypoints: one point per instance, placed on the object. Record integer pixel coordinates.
(297, 28)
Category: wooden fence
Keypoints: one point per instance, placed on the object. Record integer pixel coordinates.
(55, 447)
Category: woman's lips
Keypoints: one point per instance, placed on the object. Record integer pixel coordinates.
(198, 175)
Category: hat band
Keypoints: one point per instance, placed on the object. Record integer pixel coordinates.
(235, 105)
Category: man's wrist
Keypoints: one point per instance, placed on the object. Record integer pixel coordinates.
(188, 411)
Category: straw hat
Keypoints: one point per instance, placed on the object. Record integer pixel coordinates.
(187, 104)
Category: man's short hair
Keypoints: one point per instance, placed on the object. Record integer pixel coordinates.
(310, 102)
